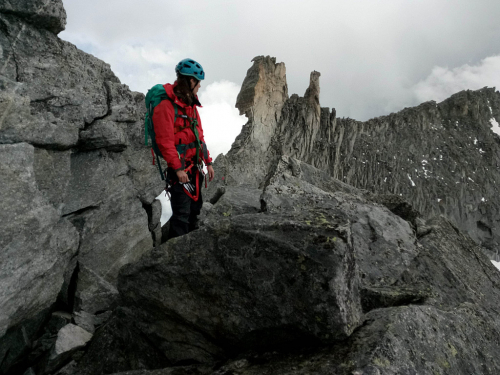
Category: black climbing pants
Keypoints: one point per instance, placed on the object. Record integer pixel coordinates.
(185, 210)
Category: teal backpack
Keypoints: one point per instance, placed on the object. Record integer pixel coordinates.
(154, 97)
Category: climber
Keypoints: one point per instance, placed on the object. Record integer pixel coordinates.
(178, 137)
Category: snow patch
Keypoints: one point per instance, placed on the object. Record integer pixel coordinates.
(494, 126)
(496, 264)
(412, 183)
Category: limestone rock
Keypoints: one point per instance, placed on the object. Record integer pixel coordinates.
(179, 370)
(69, 338)
(49, 15)
(85, 320)
(93, 294)
(103, 134)
(290, 277)
(263, 94)
(442, 158)
(442, 334)
(77, 176)
(30, 279)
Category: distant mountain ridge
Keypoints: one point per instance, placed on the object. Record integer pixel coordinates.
(443, 157)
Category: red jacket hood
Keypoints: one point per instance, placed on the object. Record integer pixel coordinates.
(169, 88)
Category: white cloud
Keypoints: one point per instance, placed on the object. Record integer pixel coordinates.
(443, 81)
(220, 119)
(371, 54)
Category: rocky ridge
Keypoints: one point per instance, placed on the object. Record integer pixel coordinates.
(294, 271)
(75, 178)
(297, 272)
(443, 158)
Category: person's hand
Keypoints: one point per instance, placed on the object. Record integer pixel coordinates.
(211, 173)
(183, 177)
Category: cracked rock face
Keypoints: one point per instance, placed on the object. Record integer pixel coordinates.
(305, 262)
(77, 175)
(443, 158)
(325, 280)
(47, 14)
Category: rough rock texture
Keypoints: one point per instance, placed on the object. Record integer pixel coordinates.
(454, 332)
(37, 244)
(70, 337)
(291, 276)
(444, 159)
(76, 178)
(263, 93)
(304, 263)
(47, 14)
(324, 280)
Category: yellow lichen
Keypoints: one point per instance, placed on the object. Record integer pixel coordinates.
(381, 362)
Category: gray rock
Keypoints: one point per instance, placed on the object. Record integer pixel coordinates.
(442, 158)
(442, 332)
(103, 134)
(93, 293)
(250, 280)
(69, 338)
(58, 320)
(263, 94)
(78, 176)
(118, 346)
(30, 279)
(235, 201)
(125, 106)
(102, 318)
(179, 370)
(18, 339)
(85, 320)
(49, 15)
(49, 90)
(69, 369)
(294, 251)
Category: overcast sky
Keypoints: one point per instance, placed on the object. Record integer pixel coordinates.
(375, 56)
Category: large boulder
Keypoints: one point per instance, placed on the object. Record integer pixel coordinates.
(454, 330)
(37, 244)
(299, 273)
(441, 157)
(78, 178)
(48, 15)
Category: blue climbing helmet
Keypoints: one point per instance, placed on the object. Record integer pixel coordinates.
(189, 67)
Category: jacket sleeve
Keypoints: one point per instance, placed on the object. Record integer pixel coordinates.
(209, 160)
(163, 122)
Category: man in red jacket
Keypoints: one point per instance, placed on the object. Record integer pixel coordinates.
(177, 122)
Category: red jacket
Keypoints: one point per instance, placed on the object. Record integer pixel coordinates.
(168, 134)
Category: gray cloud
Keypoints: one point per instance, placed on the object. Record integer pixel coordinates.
(372, 54)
